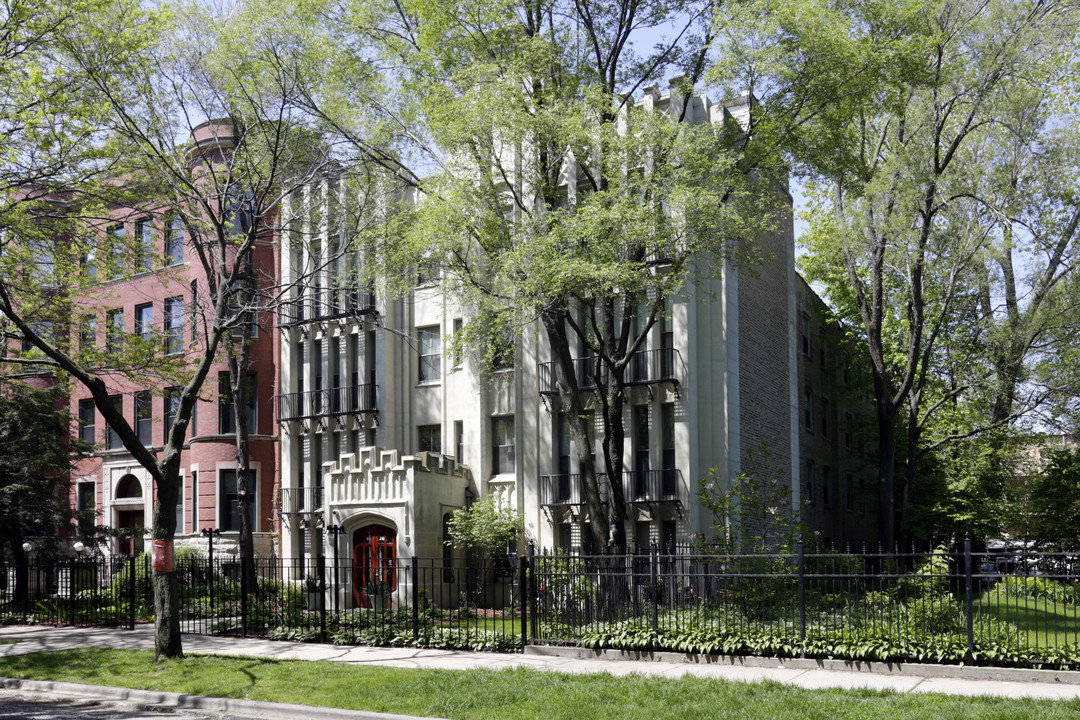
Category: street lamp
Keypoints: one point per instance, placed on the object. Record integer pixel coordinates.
(335, 531)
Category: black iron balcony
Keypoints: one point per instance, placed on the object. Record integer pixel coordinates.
(300, 501)
(347, 400)
(651, 486)
(327, 305)
(647, 367)
(568, 490)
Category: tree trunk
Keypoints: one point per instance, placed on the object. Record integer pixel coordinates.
(245, 496)
(886, 476)
(167, 643)
(570, 404)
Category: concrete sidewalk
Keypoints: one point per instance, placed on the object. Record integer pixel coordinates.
(814, 674)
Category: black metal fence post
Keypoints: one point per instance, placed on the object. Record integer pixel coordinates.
(523, 579)
(27, 573)
(653, 585)
(534, 615)
(243, 596)
(320, 566)
(414, 571)
(131, 592)
(71, 590)
(802, 601)
(968, 599)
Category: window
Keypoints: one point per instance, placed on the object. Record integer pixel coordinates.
(174, 325)
(808, 409)
(805, 334)
(116, 251)
(180, 508)
(459, 441)
(503, 357)
(174, 241)
(144, 418)
(172, 405)
(114, 331)
(88, 259)
(194, 501)
(87, 419)
(667, 450)
(502, 444)
(226, 419)
(144, 245)
(642, 461)
(821, 349)
(826, 481)
(231, 501)
(849, 493)
(848, 423)
(430, 354)
(458, 329)
(144, 321)
(87, 335)
(112, 438)
(87, 498)
(824, 417)
(194, 310)
(809, 483)
(430, 438)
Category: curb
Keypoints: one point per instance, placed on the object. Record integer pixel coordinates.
(152, 699)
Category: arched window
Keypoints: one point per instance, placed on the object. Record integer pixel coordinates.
(128, 487)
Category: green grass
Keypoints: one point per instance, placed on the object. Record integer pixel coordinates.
(1046, 623)
(506, 694)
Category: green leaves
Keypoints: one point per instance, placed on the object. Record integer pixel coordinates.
(484, 527)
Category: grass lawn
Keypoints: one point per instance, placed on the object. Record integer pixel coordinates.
(1047, 624)
(506, 694)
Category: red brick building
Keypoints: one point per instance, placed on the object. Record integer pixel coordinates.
(150, 288)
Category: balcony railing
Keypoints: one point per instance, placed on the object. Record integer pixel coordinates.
(647, 486)
(327, 305)
(347, 400)
(302, 500)
(639, 486)
(646, 367)
(568, 490)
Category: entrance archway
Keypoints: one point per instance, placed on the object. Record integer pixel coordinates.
(374, 563)
(130, 517)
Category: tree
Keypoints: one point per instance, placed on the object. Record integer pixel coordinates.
(192, 128)
(544, 193)
(484, 528)
(902, 118)
(37, 456)
(1054, 501)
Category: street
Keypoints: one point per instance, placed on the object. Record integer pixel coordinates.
(22, 705)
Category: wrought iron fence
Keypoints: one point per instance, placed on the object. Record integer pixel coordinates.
(946, 605)
(942, 605)
(75, 591)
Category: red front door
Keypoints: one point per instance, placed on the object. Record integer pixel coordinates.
(130, 523)
(374, 562)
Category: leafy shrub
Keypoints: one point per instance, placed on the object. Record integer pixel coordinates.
(295, 634)
(1038, 587)
(144, 588)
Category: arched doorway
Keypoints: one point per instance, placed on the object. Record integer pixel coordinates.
(130, 517)
(374, 563)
